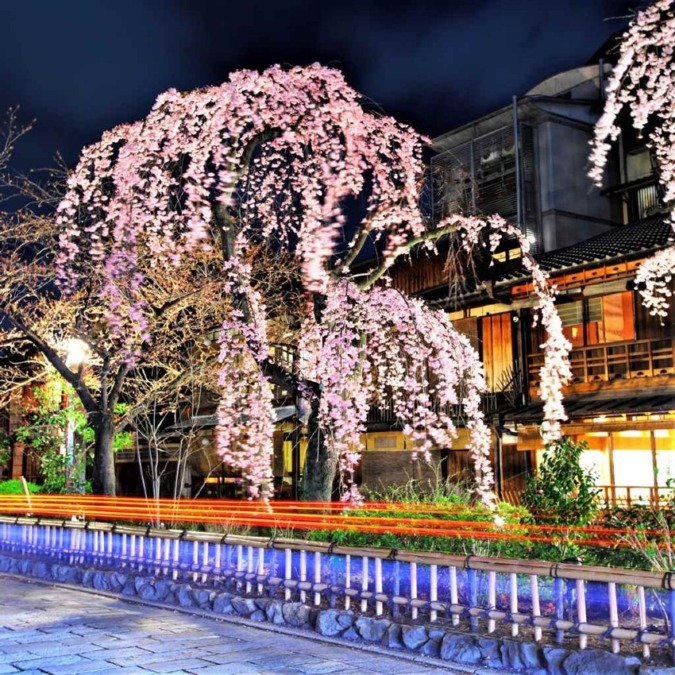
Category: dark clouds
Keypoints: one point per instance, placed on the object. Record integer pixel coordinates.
(81, 66)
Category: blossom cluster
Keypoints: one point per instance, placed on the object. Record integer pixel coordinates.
(378, 347)
(642, 85)
(245, 416)
(279, 151)
(474, 233)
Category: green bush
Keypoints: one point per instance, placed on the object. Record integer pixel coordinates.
(14, 487)
(562, 492)
(448, 501)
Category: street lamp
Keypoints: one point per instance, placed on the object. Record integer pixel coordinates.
(77, 353)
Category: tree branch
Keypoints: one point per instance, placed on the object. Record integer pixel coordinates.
(74, 379)
(432, 235)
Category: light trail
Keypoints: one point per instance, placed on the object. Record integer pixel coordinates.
(305, 516)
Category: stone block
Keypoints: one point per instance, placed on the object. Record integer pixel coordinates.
(258, 615)
(461, 649)
(553, 658)
(148, 592)
(129, 589)
(262, 603)
(184, 596)
(595, 662)
(117, 580)
(100, 581)
(244, 606)
(414, 637)
(201, 596)
(372, 630)
(275, 613)
(392, 637)
(530, 655)
(161, 589)
(346, 618)
(490, 650)
(328, 624)
(41, 570)
(296, 614)
(139, 582)
(431, 648)
(351, 634)
(222, 603)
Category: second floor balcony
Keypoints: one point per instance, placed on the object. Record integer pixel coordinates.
(631, 360)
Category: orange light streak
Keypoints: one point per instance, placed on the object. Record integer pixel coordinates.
(298, 516)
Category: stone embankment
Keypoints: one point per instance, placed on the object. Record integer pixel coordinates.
(428, 640)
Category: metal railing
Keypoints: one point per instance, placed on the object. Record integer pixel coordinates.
(537, 600)
(614, 361)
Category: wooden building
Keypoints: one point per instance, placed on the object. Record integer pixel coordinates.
(528, 162)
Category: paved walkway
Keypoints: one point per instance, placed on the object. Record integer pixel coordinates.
(48, 629)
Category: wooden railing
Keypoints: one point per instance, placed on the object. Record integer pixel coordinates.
(540, 601)
(614, 361)
(490, 402)
(632, 495)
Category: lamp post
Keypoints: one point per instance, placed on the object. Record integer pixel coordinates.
(77, 353)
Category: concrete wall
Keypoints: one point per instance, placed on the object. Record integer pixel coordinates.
(572, 209)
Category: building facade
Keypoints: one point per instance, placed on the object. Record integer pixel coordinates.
(528, 162)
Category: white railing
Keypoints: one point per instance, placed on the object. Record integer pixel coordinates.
(540, 601)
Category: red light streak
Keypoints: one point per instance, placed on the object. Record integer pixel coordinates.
(332, 517)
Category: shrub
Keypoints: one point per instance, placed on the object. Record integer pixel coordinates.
(14, 487)
(562, 492)
(441, 500)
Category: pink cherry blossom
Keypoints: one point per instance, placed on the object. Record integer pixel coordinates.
(642, 85)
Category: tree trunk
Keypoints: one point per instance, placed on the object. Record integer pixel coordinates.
(319, 470)
(103, 482)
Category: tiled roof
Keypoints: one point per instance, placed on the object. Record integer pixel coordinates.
(624, 240)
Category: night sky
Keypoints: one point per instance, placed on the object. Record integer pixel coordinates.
(81, 66)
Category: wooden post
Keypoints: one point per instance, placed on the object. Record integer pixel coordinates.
(514, 603)
(433, 591)
(581, 611)
(536, 608)
(642, 610)
(303, 573)
(378, 586)
(364, 582)
(413, 588)
(613, 613)
(348, 579)
(288, 568)
(317, 576)
(26, 493)
(454, 595)
(492, 598)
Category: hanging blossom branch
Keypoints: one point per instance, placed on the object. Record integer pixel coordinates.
(377, 347)
(556, 371)
(245, 415)
(642, 83)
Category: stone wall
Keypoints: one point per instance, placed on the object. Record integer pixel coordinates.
(428, 640)
(382, 468)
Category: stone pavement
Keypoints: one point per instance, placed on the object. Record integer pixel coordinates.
(51, 629)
